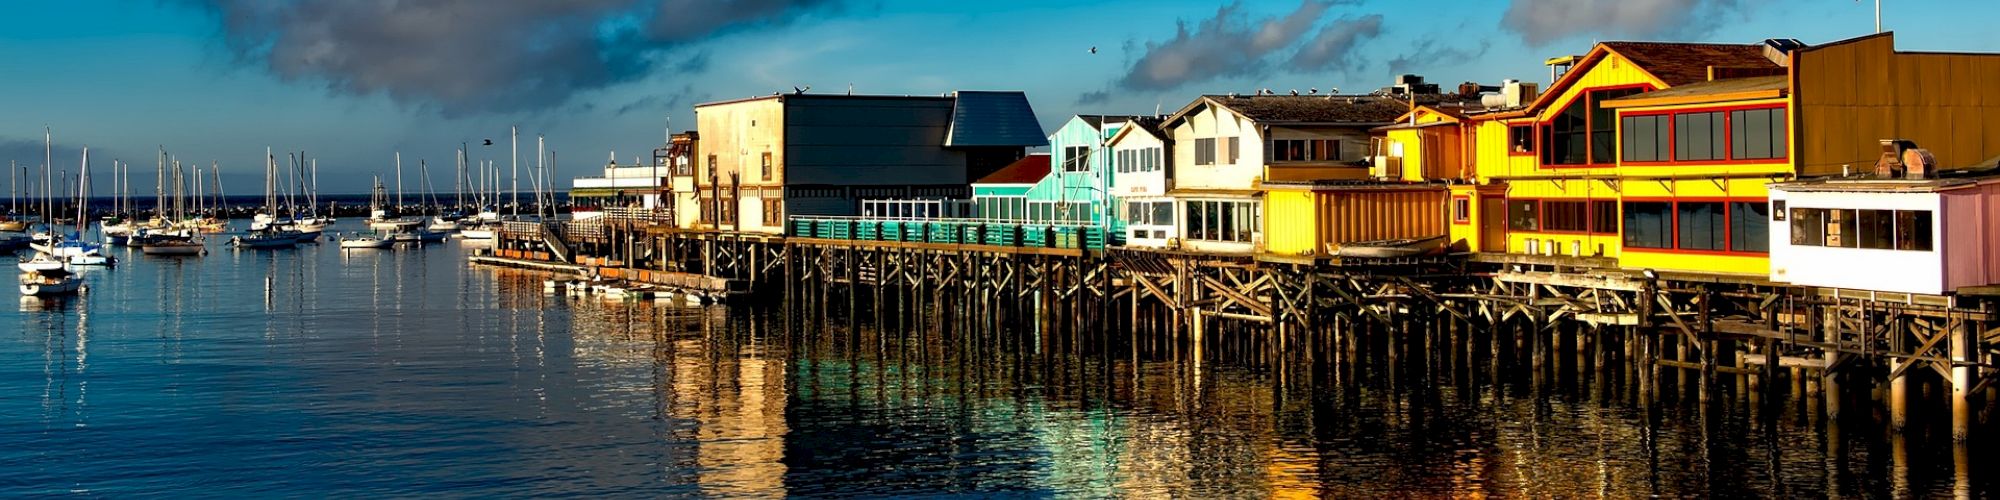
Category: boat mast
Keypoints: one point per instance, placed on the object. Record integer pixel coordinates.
(82, 190)
(221, 200)
(399, 180)
(514, 140)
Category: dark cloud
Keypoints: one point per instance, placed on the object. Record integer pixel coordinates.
(1540, 22)
(467, 56)
(1430, 55)
(1333, 47)
(1093, 97)
(685, 97)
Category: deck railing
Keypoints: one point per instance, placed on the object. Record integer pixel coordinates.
(993, 232)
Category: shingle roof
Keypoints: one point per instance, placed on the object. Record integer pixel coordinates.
(1685, 63)
(1027, 170)
(1318, 109)
(989, 118)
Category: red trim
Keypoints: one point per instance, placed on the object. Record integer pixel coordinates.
(1461, 218)
(1728, 137)
(1588, 127)
(1534, 139)
(1674, 209)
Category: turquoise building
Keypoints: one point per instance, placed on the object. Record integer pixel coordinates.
(1076, 187)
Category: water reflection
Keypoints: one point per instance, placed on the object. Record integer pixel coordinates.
(408, 372)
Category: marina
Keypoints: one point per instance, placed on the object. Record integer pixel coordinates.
(1534, 248)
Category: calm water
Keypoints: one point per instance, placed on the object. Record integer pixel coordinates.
(408, 372)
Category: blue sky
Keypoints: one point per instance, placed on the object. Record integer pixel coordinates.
(221, 80)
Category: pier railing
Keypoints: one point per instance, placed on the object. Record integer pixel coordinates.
(955, 231)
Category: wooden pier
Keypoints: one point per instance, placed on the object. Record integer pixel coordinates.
(1673, 337)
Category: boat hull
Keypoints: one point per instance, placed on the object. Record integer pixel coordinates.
(173, 249)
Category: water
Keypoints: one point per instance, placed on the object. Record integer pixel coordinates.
(407, 372)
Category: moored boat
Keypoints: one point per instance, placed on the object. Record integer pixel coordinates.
(366, 240)
(1389, 249)
(50, 282)
(173, 247)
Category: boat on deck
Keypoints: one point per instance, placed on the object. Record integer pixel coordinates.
(1391, 249)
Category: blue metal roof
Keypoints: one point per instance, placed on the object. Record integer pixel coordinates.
(993, 119)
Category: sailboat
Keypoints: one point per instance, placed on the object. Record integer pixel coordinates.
(72, 248)
(268, 235)
(48, 282)
(366, 240)
(13, 224)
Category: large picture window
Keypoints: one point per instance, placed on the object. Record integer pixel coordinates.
(1585, 131)
(1221, 220)
(1647, 138)
(1699, 136)
(1701, 226)
(1604, 216)
(1757, 134)
(1568, 216)
(1649, 224)
(1862, 228)
(1749, 226)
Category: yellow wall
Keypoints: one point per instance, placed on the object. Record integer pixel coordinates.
(1523, 179)
(1314, 222)
(1290, 227)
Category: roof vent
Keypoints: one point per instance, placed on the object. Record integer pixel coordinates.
(1779, 50)
(1890, 165)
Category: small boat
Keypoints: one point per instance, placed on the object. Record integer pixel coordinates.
(266, 239)
(14, 225)
(43, 262)
(173, 247)
(90, 259)
(442, 225)
(477, 232)
(360, 240)
(47, 283)
(1389, 249)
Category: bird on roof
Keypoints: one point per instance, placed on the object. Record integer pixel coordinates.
(1295, 92)
(1313, 91)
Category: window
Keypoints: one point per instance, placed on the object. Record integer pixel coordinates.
(767, 165)
(1163, 213)
(683, 166)
(1749, 226)
(1778, 210)
(1521, 139)
(728, 210)
(711, 167)
(1326, 150)
(1604, 216)
(1565, 136)
(1204, 151)
(1289, 150)
(1603, 135)
(1757, 133)
(1647, 138)
(1913, 230)
(1216, 220)
(1870, 229)
(1076, 158)
(1461, 210)
(774, 211)
(1702, 225)
(1699, 136)
(1235, 149)
(1649, 224)
(1523, 215)
(1569, 216)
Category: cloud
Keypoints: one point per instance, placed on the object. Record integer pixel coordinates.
(1227, 44)
(1429, 54)
(1333, 47)
(684, 97)
(1540, 22)
(1093, 97)
(471, 56)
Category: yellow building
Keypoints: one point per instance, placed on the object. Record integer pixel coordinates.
(1656, 155)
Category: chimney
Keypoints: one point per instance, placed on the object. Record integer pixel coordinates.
(1890, 164)
(1918, 164)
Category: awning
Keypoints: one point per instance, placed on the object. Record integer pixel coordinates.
(601, 192)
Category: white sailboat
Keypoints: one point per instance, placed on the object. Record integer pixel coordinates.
(366, 240)
(269, 235)
(49, 282)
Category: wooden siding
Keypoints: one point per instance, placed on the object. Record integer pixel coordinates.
(1303, 222)
(1849, 95)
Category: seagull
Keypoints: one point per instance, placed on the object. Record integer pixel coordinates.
(1295, 92)
(489, 142)
(1313, 91)
(1093, 49)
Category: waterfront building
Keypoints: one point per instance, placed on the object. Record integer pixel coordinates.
(659, 187)
(1226, 147)
(800, 154)
(1917, 230)
(1141, 158)
(1003, 194)
(1656, 155)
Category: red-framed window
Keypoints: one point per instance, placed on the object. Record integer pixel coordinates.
(1563, 215)
(1582, 132)
(1708, 136)
(1720, 226)
(1521, 139)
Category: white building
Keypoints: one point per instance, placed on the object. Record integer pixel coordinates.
(1140, 155)
(1920, 236)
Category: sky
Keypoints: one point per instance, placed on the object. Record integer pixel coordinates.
(353, 82)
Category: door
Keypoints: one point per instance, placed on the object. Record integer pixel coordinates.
(1492, 224)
